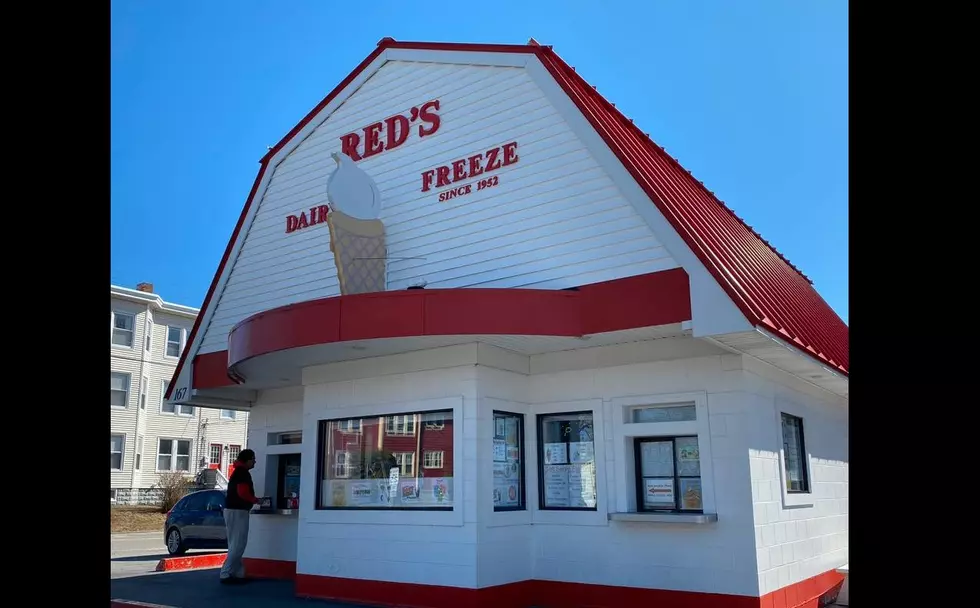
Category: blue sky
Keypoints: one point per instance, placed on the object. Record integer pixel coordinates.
(751, 96)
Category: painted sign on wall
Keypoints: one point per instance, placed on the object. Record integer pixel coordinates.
(391, 132)
(468, 168)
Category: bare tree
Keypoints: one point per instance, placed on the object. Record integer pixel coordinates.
(174, 485)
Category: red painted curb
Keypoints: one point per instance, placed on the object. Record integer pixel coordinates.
(125, 603)
(207, 560)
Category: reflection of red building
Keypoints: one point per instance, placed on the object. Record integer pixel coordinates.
(421, 444)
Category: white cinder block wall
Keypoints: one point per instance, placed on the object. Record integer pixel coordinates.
(797, 541)
(276, 411)
(426, 547)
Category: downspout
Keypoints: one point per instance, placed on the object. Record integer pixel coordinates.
(147, 333)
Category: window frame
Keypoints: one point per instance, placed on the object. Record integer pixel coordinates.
(322, 428)
(174, 441)
(112, 329)
(637, 462)
(139, 453)
(122, 453)
(234, 415)
(539, 423)
(167, 342)
(793, 499)
(128, 383)
(442, 459)
(522, 437)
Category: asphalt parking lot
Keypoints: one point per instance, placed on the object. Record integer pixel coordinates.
(134, 557)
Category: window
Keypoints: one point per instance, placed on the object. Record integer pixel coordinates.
(432, 460)
(406, 463)
(143, 382)
(122, 329)
(400, 425)
(382, 473)
(794, 455)
(435, 423)
(174, 455)
(290, 438)
(170, 408)
(566, 461)
(668, 474)
(664, 413)
(228, 414)
(352, 425)
(508, 461)
(118, 389)
(175, 339)
(115, 452)
(139, 451)
(233, 452)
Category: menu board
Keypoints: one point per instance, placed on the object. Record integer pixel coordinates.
(391, 491)
(570, 485)
(657, 459)
(507, 461)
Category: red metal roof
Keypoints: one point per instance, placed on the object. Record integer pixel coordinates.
(767, 288)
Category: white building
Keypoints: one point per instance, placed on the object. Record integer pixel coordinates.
(147, 435)
(465, 258)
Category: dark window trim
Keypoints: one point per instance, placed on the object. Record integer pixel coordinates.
(520, 418)
(539, 423)
(804, 459)
(321, 437)
(638, 468)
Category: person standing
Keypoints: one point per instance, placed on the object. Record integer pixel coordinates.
(239, 500)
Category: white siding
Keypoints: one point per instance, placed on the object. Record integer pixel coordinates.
(555, 220)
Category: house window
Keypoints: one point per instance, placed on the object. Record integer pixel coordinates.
(139, 451)
(383, 473)
(432, 460)
(175, 339)
(668, 474)
(400, 425)
(435, 423)
(143, 382)
(508, 461)
(174, 455)
(228, 414)
(566, 462)
(352, 425)
(122, 329)
(406, 463)
(118, 389)
(794, 455)
(233, 452)
(171, 408)
(116, 452)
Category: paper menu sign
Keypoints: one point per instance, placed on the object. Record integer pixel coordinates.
(581, 452)
(555, 453)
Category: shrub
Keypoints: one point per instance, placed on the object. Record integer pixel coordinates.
(174, 486)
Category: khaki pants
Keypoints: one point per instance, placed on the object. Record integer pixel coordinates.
(236, 523)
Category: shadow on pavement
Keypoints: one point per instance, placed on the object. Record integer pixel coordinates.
(201, 589)
(159, 556)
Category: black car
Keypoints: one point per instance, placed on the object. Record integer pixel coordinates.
(197, 521)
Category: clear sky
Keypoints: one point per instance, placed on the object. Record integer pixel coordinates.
(749, 95)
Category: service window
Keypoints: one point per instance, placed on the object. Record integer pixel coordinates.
(402, 461)
(508, 462)
(668, 474)
(566, 462)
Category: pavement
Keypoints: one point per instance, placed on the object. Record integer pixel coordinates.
(133, 561)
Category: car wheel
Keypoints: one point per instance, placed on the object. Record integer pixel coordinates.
(175, 543)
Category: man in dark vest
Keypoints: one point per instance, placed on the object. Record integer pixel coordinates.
(238, 502)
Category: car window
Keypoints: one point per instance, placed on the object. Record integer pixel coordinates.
(196, 502)
(216, 500)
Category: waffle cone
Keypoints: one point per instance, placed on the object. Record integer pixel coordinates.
(359, 251)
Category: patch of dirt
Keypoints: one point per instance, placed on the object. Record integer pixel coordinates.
(135, 519)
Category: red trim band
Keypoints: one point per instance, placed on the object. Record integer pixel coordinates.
(648, 300)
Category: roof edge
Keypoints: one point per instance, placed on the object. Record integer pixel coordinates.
(153, 299)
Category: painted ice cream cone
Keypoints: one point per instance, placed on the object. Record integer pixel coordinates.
(357, 236)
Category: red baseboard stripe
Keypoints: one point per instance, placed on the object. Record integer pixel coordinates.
(269, 568)
(540, 594)
(191, 562)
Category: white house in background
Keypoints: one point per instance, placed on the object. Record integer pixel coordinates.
(147, 435)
